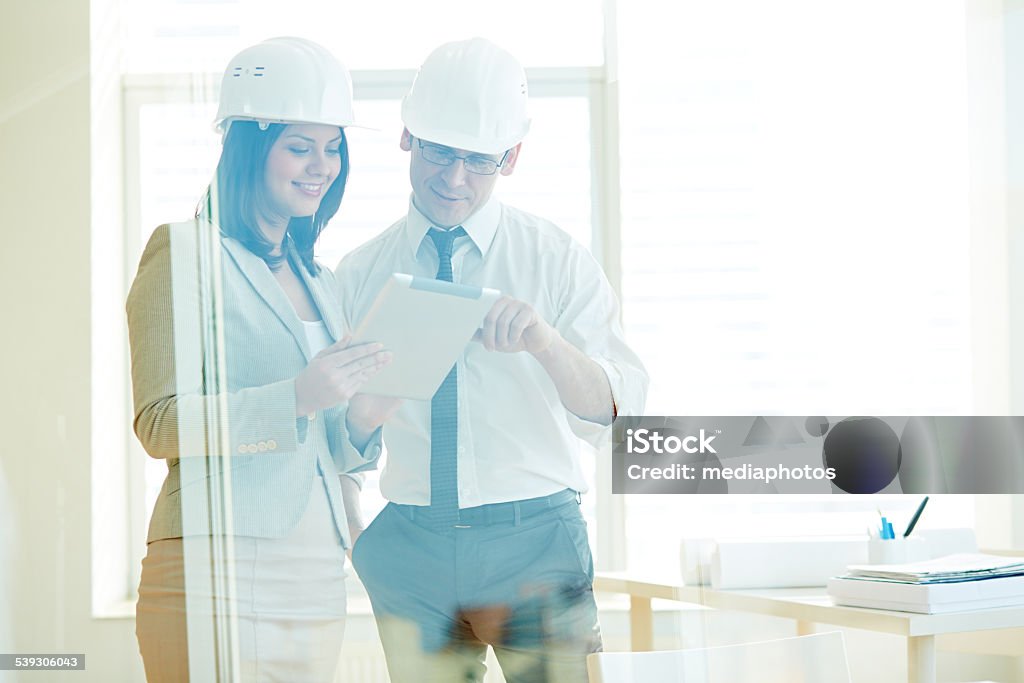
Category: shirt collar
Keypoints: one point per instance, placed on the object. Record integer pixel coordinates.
(481, 226)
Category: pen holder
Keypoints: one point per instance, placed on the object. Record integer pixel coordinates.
(897, 550)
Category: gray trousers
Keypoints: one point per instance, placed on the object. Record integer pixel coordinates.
(514, 576)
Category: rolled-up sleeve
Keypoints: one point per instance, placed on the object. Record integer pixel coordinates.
(589, 320)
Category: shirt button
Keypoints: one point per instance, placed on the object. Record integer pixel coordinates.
(241, 448)
(262, 446)
(271, 444)
(462, 450)
(311, 416)
(252, 448)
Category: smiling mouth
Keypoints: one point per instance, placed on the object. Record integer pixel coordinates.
(311, 189)
(446, 198)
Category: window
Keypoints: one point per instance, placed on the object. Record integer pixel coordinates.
(794, 232)
(200, 36)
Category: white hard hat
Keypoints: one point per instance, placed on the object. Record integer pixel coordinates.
(471, 95)
(285, 80)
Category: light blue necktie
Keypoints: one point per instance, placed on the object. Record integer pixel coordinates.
(444, 414)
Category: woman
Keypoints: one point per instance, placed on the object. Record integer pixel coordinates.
(241, 380)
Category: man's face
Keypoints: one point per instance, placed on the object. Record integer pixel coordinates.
(448, 195)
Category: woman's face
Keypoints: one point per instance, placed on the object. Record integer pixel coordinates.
(300, 168)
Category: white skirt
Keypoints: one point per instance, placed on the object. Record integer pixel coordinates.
(289, 594)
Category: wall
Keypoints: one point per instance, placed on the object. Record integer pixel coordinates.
(45, 188)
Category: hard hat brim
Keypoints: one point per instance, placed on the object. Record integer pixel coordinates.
(221, 126)
(470, 143)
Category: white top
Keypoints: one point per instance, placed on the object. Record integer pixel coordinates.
(317, 336)
(318, 339)
(516, 439)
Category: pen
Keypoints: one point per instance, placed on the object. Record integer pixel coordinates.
(917, 516)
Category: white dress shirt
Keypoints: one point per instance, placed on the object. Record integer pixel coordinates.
(516, 439)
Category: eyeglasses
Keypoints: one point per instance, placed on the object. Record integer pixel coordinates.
(474, 163)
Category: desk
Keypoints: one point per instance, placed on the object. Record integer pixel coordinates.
(807, 606)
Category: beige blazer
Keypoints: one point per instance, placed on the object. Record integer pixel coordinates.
(213, 367)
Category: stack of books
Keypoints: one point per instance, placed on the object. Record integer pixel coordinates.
(953, 583)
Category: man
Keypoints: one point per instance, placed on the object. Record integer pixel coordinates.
(483, 542)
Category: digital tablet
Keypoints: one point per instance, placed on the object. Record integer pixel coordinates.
(426, 324)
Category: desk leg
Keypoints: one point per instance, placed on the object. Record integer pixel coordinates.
(921, 659)
(641, 624)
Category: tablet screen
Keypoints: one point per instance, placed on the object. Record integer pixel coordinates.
(426, 324)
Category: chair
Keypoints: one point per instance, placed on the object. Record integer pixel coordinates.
(817, 658)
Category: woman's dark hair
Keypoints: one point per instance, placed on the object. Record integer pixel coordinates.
(236, 196)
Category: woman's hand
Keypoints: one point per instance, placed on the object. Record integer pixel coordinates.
(336, 373)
